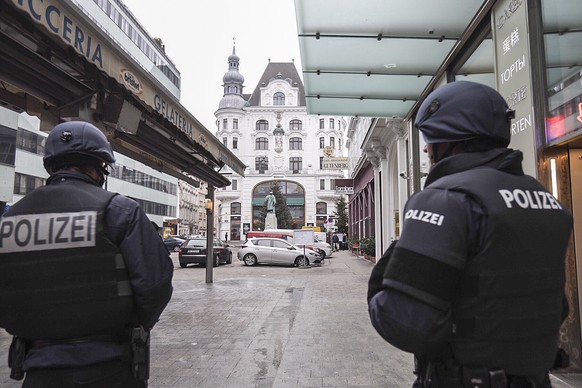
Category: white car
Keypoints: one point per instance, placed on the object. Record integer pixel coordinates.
(325, 248)
(268, 250)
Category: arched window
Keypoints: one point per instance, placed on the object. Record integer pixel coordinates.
(262, 143)
(295, 143)
(295, 125)
(293, 195)
(321, 208)
(262, 125)
(278, 99)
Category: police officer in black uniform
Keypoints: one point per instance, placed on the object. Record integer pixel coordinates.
(80, 270)
(474, 287)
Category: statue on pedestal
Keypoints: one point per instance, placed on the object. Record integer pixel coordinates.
(271, 218)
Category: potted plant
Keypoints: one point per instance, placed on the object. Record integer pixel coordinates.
(353, 244)
(368, 248)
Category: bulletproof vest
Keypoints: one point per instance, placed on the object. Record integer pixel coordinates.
(60, 275)
(509, 304)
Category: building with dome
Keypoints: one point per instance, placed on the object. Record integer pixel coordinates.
(270, 131)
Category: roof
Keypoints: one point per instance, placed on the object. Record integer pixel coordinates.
(377, 58)
(287, 70)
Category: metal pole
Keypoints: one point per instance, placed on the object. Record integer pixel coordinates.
(209, 234)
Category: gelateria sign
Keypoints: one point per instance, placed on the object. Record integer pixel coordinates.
(71, 30)
(513, 71)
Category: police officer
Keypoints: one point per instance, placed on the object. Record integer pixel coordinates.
(80, 267)
(474, 287)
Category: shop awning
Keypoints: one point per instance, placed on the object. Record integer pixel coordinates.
(377, 58)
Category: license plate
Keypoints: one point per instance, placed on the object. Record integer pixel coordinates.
(194, 251)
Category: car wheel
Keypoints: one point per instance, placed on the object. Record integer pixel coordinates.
(302, 261)
(216, 261)
(177, 248)
(323, 255)
(229, 261)
(183, 265)
(250, 259)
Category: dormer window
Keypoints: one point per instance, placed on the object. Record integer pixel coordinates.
(278, 99)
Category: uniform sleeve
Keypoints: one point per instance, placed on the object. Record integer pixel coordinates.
(146, 257)
(440, 232)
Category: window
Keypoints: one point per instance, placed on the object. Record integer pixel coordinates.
(321, 123)
(234, 123)
(234, 184)
(321, 162)
(261, 164)
(331, 123)
(339, 143)
(332, 142)
(262, 125)
(321, 208)
(295, 143)
(332, 184)
(225, 124)
(25, 140)
(225, 141)
(235, 143)
(278, 99)
(321, 142)
(235, 208)
(262, 143)
(24, 184)
(295, 165)
(322, 184)
(295, 125)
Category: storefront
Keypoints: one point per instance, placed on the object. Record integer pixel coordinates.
(396, 53)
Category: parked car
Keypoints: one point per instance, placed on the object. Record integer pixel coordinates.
(173, 243)
(267, 250)
(193, 251)
(323, 248)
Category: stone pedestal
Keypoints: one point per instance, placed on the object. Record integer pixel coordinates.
(271, 221)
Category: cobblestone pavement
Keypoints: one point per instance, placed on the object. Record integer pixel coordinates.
(270, 326)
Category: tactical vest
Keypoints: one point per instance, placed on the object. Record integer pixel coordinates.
(508, 310)
(60, 275)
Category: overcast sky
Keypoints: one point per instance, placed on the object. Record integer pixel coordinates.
(198, 36)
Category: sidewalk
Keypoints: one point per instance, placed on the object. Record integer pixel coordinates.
(274, 327)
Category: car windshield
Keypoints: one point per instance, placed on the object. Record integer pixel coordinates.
(196, 243)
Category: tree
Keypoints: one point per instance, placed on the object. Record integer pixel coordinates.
(341, 215)
(284, 219)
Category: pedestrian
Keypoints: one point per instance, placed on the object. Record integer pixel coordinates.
(335, 241)
(345, 242)
(474, 287)
(226, 236)
(84, 276)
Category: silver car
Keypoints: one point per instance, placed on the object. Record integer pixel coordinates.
(267, 250)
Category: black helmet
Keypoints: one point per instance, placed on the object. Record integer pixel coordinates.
(76, 140)
(464, 110)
